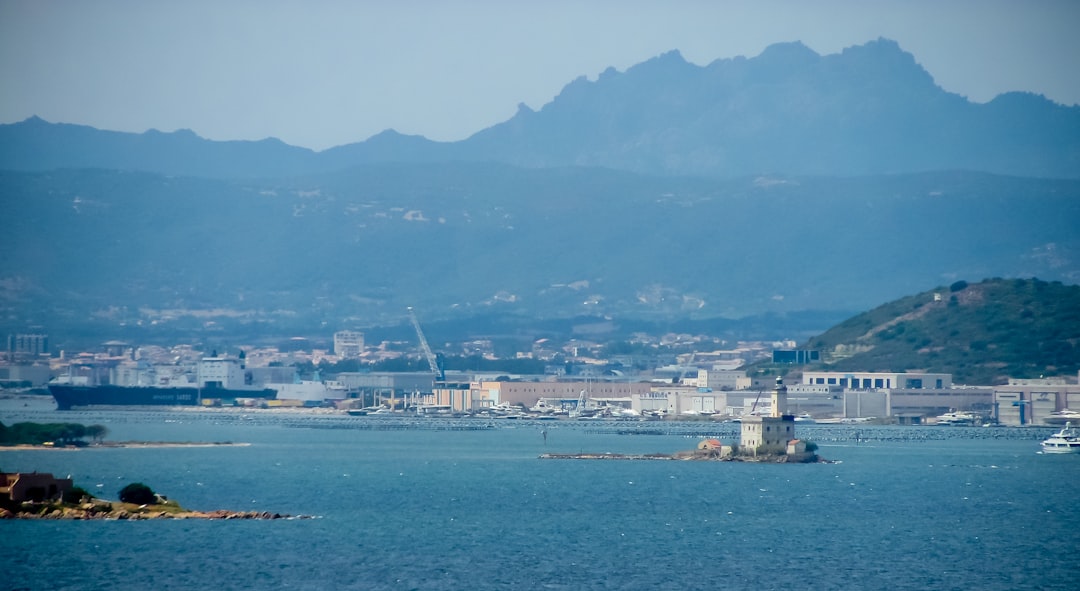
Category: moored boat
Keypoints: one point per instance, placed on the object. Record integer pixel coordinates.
(1065, 441)
(957, 419)
(1061, 417)
(214, 380)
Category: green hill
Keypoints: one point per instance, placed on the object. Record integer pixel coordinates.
(982, 333)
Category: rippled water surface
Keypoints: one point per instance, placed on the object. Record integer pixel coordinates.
(434, 506)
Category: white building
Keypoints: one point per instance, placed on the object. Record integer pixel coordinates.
(863, 380)
(723, 379)
(348, 344)
(906, 395)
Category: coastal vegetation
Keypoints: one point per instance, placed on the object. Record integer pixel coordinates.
(982, 333)
(138, 493)
(59, 434)
(75, 495)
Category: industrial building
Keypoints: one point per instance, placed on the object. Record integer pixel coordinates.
(907, 396)
(1031, 402)
(876, 380)
(376, 386)
(24, 375)
(723, 379)
(470, 396)
(677, 399)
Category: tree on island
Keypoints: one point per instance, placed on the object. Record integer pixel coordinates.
(72, 434)
(97, 432)
(138, 493)
(43, 433)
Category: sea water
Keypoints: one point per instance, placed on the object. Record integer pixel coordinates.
(431, 506)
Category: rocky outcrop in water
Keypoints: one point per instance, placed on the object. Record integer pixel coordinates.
(97, 509)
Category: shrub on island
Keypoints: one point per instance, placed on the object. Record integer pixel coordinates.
(75, 495)
(138, 493)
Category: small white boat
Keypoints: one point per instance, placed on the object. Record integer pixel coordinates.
(1065, 441)
(805, 419)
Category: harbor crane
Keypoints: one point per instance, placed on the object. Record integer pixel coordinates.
(433, 361)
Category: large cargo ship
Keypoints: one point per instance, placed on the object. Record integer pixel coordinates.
(223, 379)
(68, 396)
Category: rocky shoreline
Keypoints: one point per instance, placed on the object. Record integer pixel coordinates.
(168, 444)
(122, 444)
(104, 510)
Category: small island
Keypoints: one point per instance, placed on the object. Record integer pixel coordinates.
(764, 439)
(711, 450)
(37, 495)
(50, 434)
(71, 436)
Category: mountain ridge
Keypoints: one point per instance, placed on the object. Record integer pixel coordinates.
(870, 109)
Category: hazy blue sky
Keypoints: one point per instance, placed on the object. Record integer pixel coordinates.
(325, 73)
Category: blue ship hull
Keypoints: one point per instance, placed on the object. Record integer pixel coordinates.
(68, 396)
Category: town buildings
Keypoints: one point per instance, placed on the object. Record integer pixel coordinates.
(23, 346)
(701, 384)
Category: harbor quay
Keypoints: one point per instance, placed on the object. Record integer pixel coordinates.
(718, 387)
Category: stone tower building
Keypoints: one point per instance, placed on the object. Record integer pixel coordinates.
(769, 434)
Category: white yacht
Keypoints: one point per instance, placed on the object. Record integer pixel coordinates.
(957, 419)
(1061, 417)
(1065, 441)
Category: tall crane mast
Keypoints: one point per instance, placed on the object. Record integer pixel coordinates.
(433, 363)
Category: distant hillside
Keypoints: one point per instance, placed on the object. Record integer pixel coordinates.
(871, 109)
(982, 333)
(121, 250)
